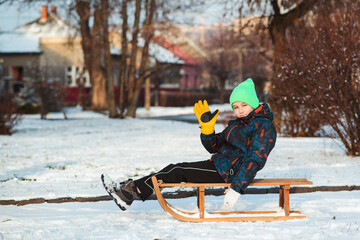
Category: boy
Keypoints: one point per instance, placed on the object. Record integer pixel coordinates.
(238, 152)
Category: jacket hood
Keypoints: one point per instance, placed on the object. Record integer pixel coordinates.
(263, 111)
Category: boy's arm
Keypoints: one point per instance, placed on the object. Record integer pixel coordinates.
(260, 146)
(212, 142)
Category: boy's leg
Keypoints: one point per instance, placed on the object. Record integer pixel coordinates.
(199, 172)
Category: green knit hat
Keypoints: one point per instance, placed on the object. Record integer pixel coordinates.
(245, 92)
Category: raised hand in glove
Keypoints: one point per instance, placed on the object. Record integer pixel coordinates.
(206, 118)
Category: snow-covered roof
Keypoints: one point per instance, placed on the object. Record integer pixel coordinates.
(160, 53)
(18, 43)
(156, 52)
(26, 38)
(176, 51)
(52, 27)
(163, 55)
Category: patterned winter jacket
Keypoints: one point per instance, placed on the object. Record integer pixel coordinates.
(241, 150)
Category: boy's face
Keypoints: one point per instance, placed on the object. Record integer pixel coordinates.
(242, 109)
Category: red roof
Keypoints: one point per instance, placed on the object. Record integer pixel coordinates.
(178, 52)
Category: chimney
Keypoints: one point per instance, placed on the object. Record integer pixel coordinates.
(44, 13)
(53, 10)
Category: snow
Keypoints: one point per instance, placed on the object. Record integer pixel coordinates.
(160, 53)
(163, 55)
(103, 220)
(18, 43)
(64, 158)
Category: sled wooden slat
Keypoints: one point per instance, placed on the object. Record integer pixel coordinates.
(255, 182)
(200, 216)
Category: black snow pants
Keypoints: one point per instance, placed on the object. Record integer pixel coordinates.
(197, 172)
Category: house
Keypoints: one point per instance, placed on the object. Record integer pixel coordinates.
(46, 49)
(49, 48)
(18, 53)
(192, 72)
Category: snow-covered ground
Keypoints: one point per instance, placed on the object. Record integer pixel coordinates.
(64, 158)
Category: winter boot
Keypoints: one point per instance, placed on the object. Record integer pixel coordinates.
(123, 193)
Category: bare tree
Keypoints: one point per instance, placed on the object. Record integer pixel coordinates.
(106, 59)
(123, 63)
(134, 67)
(96, 50)
(223, 57)
(134, 49)
(319, 75)
(280, 15)
(144, 71)
(279, 21)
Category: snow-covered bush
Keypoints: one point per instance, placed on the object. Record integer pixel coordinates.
(50, 95)
(26, 100)
(318, 81)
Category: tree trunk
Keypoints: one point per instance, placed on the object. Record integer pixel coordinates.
(91, 43)
(84, 12)
(124, 49)
(278, 23)
(277, 28)
(147, 97)
(221, 91)
(147, 93)
(133, 65)
(143, 71)
(99, 99)
(107, 59)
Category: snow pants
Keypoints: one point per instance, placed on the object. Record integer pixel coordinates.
(197, 172)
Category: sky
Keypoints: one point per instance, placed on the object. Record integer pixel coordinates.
(12, 16)
(15, 15)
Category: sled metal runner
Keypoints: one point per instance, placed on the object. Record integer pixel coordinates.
(201, 216)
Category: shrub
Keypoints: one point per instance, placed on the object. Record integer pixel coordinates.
(9, 116)
(318, 78)
(50, 95)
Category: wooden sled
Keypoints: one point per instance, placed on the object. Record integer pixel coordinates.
(202, 216)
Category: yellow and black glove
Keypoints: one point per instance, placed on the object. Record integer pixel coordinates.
(206, 118)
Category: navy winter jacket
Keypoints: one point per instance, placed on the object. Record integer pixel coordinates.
(241, 150)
